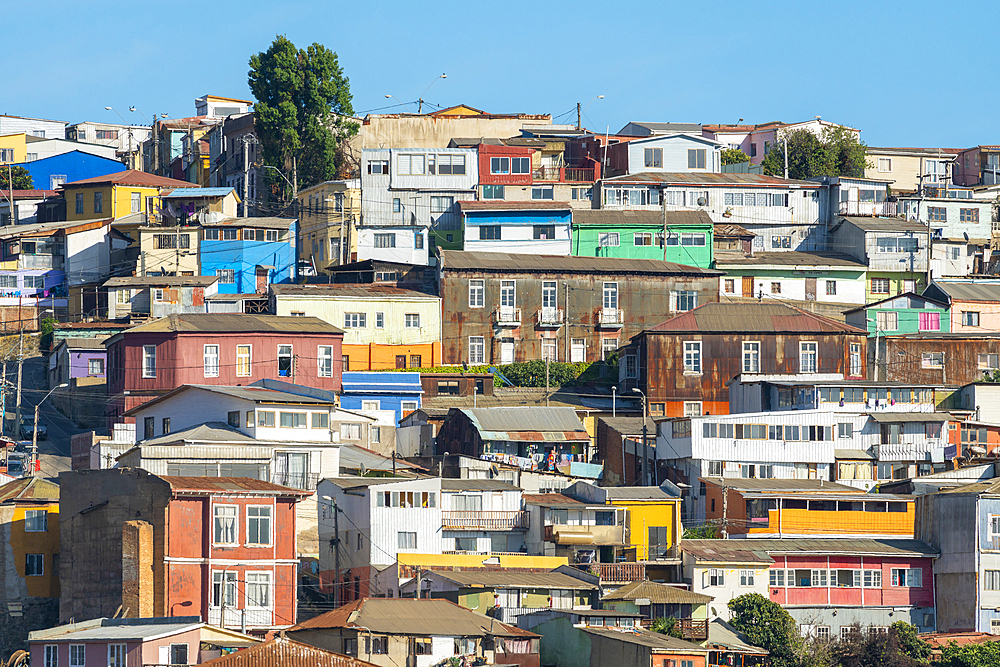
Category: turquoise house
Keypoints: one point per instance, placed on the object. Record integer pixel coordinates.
(903, 314)
(631, 234)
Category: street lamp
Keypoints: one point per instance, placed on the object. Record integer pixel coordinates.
(645, 456)
(393, 97)
(579, 114)
(420, 100)
(34, 431)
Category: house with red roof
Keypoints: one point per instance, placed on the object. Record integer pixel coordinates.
(116, 195)
(684, 365)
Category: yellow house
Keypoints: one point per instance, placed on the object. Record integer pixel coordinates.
(116, 195)
(328, 212)
(13, 148)
(29, 512)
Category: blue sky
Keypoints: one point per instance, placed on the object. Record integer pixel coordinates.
(907, 73)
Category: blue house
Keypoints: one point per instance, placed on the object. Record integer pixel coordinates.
(381, 391)
(51, 172)
(525, 227)
(247, 254)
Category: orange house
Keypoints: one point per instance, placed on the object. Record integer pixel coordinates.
(973, 439)
(804, 507)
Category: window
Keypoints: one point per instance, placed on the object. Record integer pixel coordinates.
(729, 285)
(715, 468)
(549, 348)
(880, 285)
(410, 165)
(715, 577)
(886, 320)
(397, 205)
(746, 577)
(265, 418)
(493, 192)
(225, 524)
(258, 590)
(937, 214)
(226, 276)
(98, 202)
(320, 420)
(932, 360)
(653, 158)
(500, 165)
(355, 320)
(611, 295)
(165, 425)
(930, 321)
(751, 357)
(34, 565)
(149, 361)
(35, 521)
(696, 158)
(990, 361)
(406, 540)
(631, 366)
(243, 360)
(258, 525)
(412, 320)
(441, 204)
(544, 232)
(378, 167)
(607, 239)
(284, 360)
(158, 295)
(855, 358)
(489, 233)
(148, 427)
(781, 242)
(776, 577)
(324, 358)
(136, 202)
(454, 164)
(907, 577)
(385, 240)
(968, 215)
(683, 300)
(178, 654)
(582, 193)
(872, 578)
(831, 287)
(543, 193)
(293, 420)
(970, 318)
(116, 652)
(507, 294)
(79, 203)
(211, 361)
(991, 580)
(418, 241)
(692, 357)
(692, 408)
(77, 655)
(884, 164)
(692, 239)
(776, 288)
(350, 431)
(807, 357)
(477, 350)
(447, 387)
(477, 293)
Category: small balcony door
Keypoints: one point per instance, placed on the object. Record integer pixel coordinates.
(549, 301)
(578, 350)
(506, 351)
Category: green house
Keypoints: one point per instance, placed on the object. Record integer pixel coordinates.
(903, 314)
(656, 600)
(639, 235)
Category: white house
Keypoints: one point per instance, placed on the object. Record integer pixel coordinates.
(794, 275)
(524, 227)
(668, 153)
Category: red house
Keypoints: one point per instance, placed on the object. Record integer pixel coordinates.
(219, 547)
(228, 349)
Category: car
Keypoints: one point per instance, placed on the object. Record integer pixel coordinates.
(28, 428)
(306, 268)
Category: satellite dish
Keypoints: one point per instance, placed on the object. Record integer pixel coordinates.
(702, 201)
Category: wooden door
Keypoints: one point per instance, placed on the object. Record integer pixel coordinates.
(400, 361)
(810, 289)
(747, 286)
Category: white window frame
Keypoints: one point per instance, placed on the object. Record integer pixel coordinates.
(751, 353)
(148, 355)
(30, 517)
(226, 580)
(235, 519)
(477, 293)
(211, 370)
(807, 348)
(249, 360)
(324, 361)
(411, 320)
(257, 519)
(77, 655)
(253, 580)
(747, 578)
(608, 239)
(477, 342)
(118, 654)
(884, 165)
(692, 363)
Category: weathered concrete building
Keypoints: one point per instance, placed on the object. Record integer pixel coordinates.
(501, 307)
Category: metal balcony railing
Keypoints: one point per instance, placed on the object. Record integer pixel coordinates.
(888, 209)
(484, 520)
(611, 317)
(296, 480)
(509, 317)
(549, 317)
(564, 174)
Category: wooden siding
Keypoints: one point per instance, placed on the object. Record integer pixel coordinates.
(900, 359)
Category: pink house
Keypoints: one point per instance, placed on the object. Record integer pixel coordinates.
(133, 642)
(757, 140)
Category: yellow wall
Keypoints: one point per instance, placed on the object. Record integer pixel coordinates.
(47, 543)
(476, 560)
(123, 199)
(18, 143)
(319, 221)
(378, 357)
(116, 201)
(809, 522)
(642, 515)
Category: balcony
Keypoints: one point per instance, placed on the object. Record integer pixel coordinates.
(297, 480)
(566, 535)
(693, 630)
(549, 317)
(885, 209)
(611, 318)
(507, 317)
(564, 174)
(620, 573)
(255, 618)
(484, 520)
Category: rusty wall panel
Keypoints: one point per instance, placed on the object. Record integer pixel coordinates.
(902, 359)
(644, 299)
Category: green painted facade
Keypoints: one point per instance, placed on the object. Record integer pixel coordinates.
(481, 600)
(896, 283)
(439, 239)
(562, 644)
(587, 242)
(907, 310)
(699, 612)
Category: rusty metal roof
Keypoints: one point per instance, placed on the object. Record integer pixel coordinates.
(512, 263)
(29, 489)
(281, 651)
(653, 640)
(235, 323)
(792, 485)
(757, 317)
(131, 177)
(608, 216)
(552, 500)
(229, 486)
(970, 291)
(706, 553)
(477, 205)
(805, 546)
(483, 578)
(884, 225)
(165, 281)
(410, 616)
(527, 423)
(790, 260)
(712, 180)
(452, 484)
(249, 393)
(364, 291)
(900, 417)
(657, 593)
(731, 229)
(264, 223)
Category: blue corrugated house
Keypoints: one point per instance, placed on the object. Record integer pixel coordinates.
(527, 227)
(51, 172)
(247, 254)
(381, 391)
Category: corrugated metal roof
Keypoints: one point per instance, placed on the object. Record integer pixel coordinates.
(609, 216)
(629, 425)
(657, 593)
(131, 177)
(512, 263)
(790, 259)
(410, 616)
(354, 457)
(854, 454)
(552, 500)
(249, 393)
(347, 483)
(282, 651)
(835, 545)
(95, 343)
(907, 295)
(235, 323)
(712, 180)
(381, 382)
(207, 432)
(731, 229)
(522, 419)
(29, 489)
(230, 485)
(654, 640)
(117, 629)
(668, 127)
(885, 225)
(722, 635)
(748, 484)
(483, 578)
(452, 484)
(748, 554)
(189, 193)
(335, 290)
(165, 281)
(756, 317)
(901, 417)
(970, 291)
(478, 205)
(264, 223)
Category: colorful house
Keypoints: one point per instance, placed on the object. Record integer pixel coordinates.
(248, 254)
(658, 600)
(533, 228)
(639, 235)
(894, 250)
(398, 392)
(115, 195)
(13, 148)
(823, 277)
(29, 551)
(328, 215)
(974, 305)
(52, 172)
(906, 313)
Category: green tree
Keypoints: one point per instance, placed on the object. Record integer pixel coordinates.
(768, 626)
(707, 532)
(734, 156)
(845, 153)
(838, 152)
(667, 626)
(302, 98)
(909, 641)
(22, 178)
(986, 654)
(991, 376)
(880, 649)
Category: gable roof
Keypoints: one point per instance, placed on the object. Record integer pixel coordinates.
(512, 263)
(666, 128)
(968, 291)
(130, 177)
(347, 290)
(491, 421)
(197, 193)
(229, 486)
(611, 216)
(881, 224)
(790, 259)
(657, 593)
(807, 545)
(207, 432)
(652, 640)
(478, 205)
(454, 484)
(760, 317)
(110, 629)
(711, 179)
(284, 651)
(234, 323)
(29, 489)
(484, 578)
(248, 392)
(781, 485)
(903, 295)
(166, 281)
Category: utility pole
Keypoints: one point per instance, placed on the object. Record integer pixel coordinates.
(20, 367)
(784, 140)
(663, 212)
(295, 179)
(246, 175)
(335, 543)
(579, 122)
(566, 324)
(725, 512)
(546, 381)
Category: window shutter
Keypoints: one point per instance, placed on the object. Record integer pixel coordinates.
(403, 164)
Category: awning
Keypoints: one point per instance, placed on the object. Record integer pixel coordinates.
(855, 454)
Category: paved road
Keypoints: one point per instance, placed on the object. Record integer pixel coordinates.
(54, 453)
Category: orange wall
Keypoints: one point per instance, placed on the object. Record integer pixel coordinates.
(376, 357)
(676, 408)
